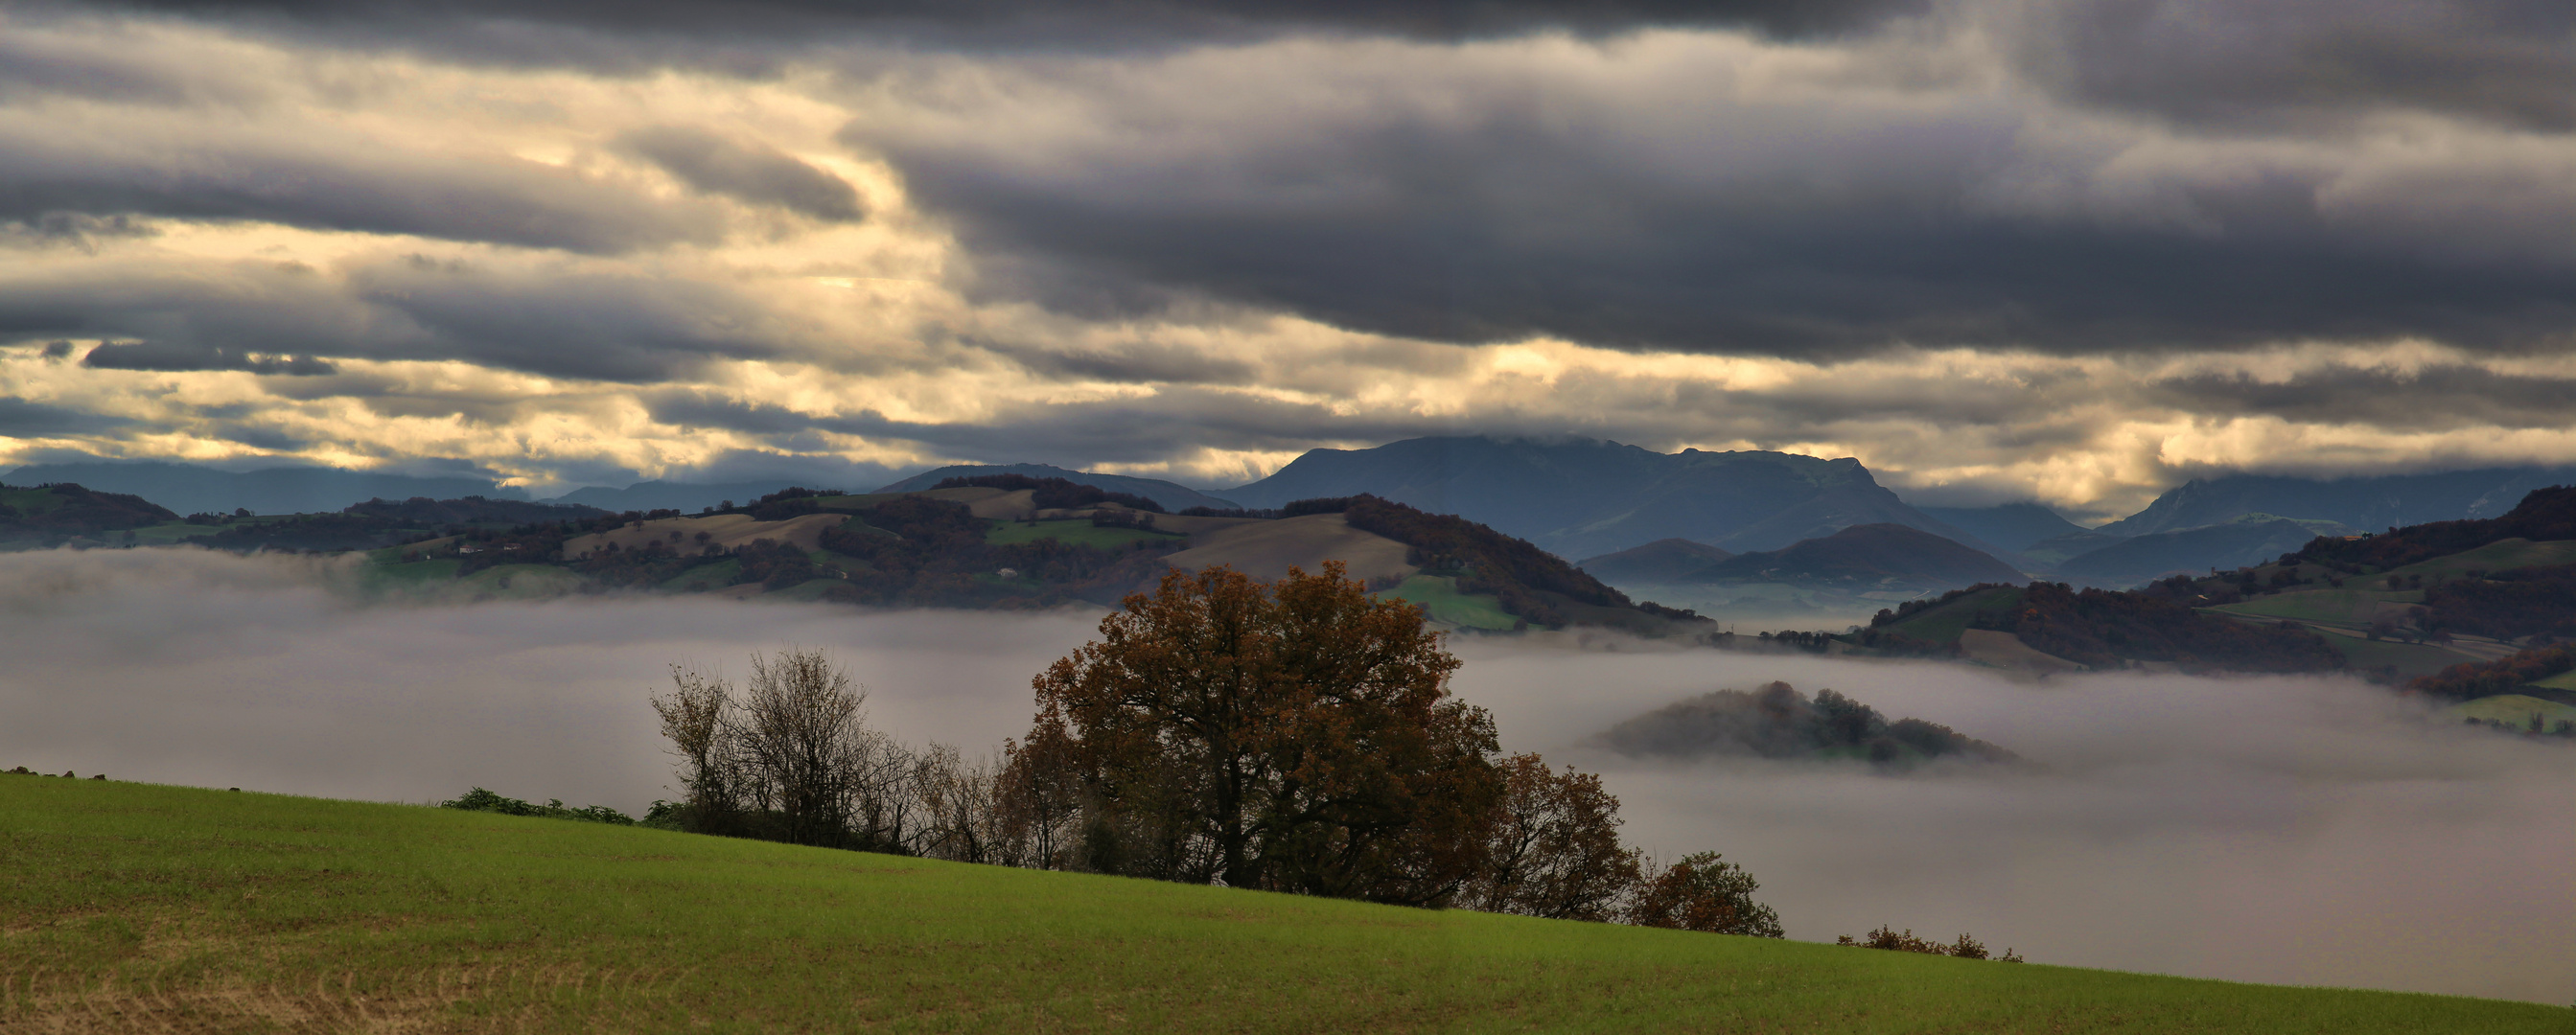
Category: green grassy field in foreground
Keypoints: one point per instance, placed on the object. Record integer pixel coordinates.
(131, 907)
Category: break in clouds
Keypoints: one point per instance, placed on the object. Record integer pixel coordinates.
(2070, 250)
(2301, 830)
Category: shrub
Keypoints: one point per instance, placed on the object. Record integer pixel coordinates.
(480, 800)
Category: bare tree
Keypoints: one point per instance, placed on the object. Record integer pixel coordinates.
(961, 814)
(801, 731)
(697, 716)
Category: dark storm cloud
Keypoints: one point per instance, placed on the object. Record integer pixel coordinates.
(72, 229)
(108, 69)
(547, 319)
(2434, 398)
(143, 355)
(750, 172)
(2284, 61)
(1468, 207)
(22, 419)
(183, 168)
(604, 326)
(757, 37)
(1129, 363)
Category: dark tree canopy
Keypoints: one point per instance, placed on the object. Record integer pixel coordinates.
(1296, 736)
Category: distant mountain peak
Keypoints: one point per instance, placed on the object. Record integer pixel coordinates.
(1590, 497)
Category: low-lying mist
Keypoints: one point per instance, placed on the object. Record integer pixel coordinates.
(2288, 830)
(193, 667)
(2299, 830)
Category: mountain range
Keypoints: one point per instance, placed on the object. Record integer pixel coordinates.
(1584, 497)
(1858, 558)
(190, 489)
(1573, 497)
(2370, 503)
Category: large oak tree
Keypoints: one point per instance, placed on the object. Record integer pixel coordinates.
(1295, 736)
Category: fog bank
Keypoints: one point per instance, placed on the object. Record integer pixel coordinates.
(201, 668)
(2298, 830)
(2286, 830)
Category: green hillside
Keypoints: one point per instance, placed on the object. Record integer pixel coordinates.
(1942, 622)
(2496, 556)
(1442, 601)
(2515, 709)
(153, 908)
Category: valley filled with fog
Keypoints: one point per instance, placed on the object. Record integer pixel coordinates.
(2304, 830)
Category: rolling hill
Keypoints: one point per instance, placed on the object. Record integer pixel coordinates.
(1581, 497)
(2250, 539)
(1171, 496)
(146, 908)
(1881, 556)
(996, 546)
(1668, 561)
(56, 514)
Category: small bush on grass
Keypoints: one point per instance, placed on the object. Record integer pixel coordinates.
(480, 800)
(1966, 948)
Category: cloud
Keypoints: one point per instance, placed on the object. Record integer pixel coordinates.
(758, 37)
(1701, 192)
(2306, 831)
(1174, 424)
(542, 315)
(72, 229)
(20, 418)
(138, 355)
(2438, 397)
(2509, 62)
(1194, 240)
(179, 164)
(751, 172)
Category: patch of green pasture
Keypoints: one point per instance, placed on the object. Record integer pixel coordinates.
(2501, 555)
(836, 559)
(704, 577)
(2514, 708)
(2561, 681)
(808, 590)
(159, 906)
(1943, 623)
(2411, 659)
(1071, 532)
(167, 533)
(1442, 602)
(2349, 606)
(30, 501)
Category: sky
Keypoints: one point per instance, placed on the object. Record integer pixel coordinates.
(2306, 830)
(2074, 251)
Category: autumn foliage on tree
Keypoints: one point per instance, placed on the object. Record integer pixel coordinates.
(1554, 851)
(1292, 736)
(1296, 736)
(1704, 893)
